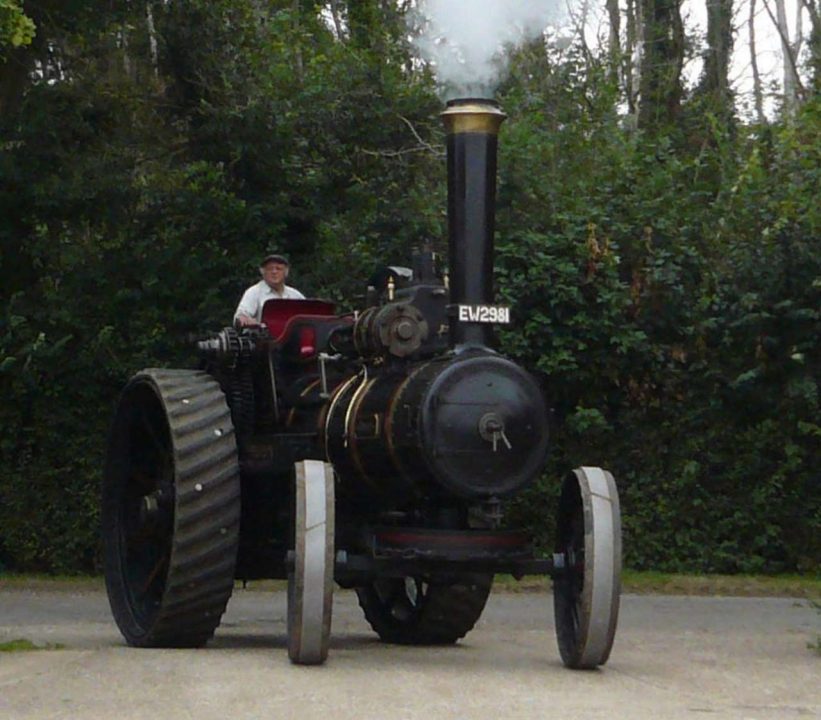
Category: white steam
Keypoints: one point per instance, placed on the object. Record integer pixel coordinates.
(466, 40)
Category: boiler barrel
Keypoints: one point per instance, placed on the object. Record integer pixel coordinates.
(471, 427)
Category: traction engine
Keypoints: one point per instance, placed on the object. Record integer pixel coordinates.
(374, 451)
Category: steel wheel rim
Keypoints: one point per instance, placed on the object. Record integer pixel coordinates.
(587, 589)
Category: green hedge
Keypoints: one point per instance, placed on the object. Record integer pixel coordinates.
(667, 291)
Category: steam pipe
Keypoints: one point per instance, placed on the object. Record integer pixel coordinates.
(472, 127)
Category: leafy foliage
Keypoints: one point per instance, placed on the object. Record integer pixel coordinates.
(666, 290)
(16, 28)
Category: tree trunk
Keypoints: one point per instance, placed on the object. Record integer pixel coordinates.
(660, 87)
(632, 57)
(614, 42)
(813, 8)
(152, 39)
(758, 95)
(578, 22)
(714, 84)
(787, 59)
(122, 36)
(340, 33)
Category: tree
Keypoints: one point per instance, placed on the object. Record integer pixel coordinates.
(613, 39)
(813, 8)
(714, 86)
(632, 56)
(662, 58)
(16, 28)
(666, 291)
(790, 50)
(758, 95)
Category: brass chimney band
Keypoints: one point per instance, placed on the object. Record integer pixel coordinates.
(473, 117)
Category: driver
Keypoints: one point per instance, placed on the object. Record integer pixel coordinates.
(274, 271)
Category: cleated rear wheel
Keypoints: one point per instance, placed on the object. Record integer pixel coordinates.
(171, 509)
(412, 611)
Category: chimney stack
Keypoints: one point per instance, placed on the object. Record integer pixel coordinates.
(472, 126)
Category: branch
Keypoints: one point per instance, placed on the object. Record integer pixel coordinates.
(787, 48)
(799, 30)
(419, 139)
(815, 16)
(400, 153)
(757, 95)
(340, 35)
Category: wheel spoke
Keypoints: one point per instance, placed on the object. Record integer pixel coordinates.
(152, 576)
(574, 615)
(398, 597)
(393, 595)
(415, 591)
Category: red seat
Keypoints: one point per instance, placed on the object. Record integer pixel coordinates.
(276, 314)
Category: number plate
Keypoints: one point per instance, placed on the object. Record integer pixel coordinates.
(499, 314)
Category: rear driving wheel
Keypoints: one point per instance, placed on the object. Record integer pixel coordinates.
(171, 508)
(413, 611)
(586, 590)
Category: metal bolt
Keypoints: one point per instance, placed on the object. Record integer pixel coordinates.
(404, 330)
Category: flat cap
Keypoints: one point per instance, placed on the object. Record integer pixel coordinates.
(276, 258)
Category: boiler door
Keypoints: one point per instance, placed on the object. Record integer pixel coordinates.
(484, 427)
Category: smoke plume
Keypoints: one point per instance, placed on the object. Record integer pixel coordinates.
(466, 40)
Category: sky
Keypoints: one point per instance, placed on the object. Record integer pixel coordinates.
(768, 45)
(462, 39)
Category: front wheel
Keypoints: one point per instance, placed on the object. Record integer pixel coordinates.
(311, 576)
(586, 591)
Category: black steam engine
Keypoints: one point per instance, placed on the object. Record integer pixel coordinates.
(372, 450)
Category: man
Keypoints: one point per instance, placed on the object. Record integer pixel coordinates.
(274, 271)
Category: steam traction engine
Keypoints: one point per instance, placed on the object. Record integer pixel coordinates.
(372, 451)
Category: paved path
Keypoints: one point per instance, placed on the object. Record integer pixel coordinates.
(675, 657)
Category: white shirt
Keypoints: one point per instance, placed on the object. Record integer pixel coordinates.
(255, 297)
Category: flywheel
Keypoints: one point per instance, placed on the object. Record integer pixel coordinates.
(171, 509)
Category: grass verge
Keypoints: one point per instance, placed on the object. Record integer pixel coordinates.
(655, 583)
(51, 583)
(643, 583)
(22, 645)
